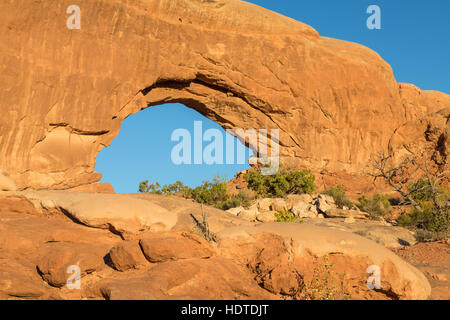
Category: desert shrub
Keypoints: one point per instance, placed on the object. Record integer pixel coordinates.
(167, 190)
(286, 216)
(376, 206)
(242, 199)
(431, 218)
(210, 192)
(202, 228)
(325, 284)
(282, 183)
(421, 190)
(427, 236)
(430, 224)
(154, 188)
(339, 196)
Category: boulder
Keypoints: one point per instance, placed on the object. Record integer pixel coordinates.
(235, 211)
(327, 198)
(126, 256)
(325, 203)
(161, 248)
(279, 205)
(268, 216)
(304, 210)
(55, 258)
(264, 204)
(249, 215)
(294, 199)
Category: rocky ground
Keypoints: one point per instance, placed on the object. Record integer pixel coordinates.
(433, 259)
(149, 247)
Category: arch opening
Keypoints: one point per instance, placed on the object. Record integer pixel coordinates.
(149, 142)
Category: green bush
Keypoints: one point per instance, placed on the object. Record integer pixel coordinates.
(240, 200)
(376, 206)
(423, 191)
(210, 193)
(426, 236)
(167, 190)
(286, 216)
(431, 218)
(281, 184)
(339, 196)
(428, 219)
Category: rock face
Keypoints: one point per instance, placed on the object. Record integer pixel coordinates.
(66, 92)
(6, 184)
(247, 260)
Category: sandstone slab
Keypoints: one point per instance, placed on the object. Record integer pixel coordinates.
(342, 213)
(160, 248)
(120, 214)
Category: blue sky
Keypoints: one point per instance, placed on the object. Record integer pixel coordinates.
(414, 38)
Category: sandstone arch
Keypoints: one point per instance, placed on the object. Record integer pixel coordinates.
(65, 92)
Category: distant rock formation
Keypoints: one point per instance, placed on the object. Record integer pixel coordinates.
(65, 92)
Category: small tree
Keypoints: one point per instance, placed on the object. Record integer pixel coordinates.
(430, 202)
(376, 206)
(339, 196)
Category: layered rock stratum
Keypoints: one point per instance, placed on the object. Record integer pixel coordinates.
(66, 92)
